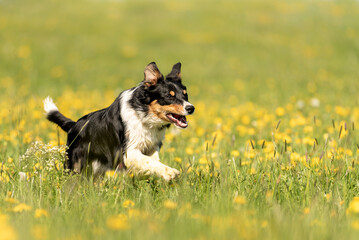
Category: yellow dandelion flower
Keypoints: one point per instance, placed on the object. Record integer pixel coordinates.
(189, 151)
(333, 143)
(24, 52)
(308, 129)
(7, 232)
(169, 204)
(217, 164)
(353, 206)
(11, 200)
(328, 196)
(264, 224)
(203, 160)
(280, 111)
(240, 200)
(171, 150)
(250, 154)
(306, 211)
(235, 153)
(330, 154)
(341, 111)
(294, 156)
(37, 166)
(245, 163)
(22, 207)
(128, 204)
(200, 131)
(118, 222)
(3, 176)
(355, 224)
(178, 159)
(41, 213)
(110, 173)
(308, 141)
(348, 152)
(246, 119)
(251, 131)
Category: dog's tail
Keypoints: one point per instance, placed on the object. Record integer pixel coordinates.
(53, 115)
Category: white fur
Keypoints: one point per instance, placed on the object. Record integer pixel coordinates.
(23, 176)
(49, 105)
(141, 164)
(98, 168)
(143, 133)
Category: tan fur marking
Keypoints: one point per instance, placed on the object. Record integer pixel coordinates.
(184, 91)
(161, 111)
(77, 166)
(152, 74)
(172, 93)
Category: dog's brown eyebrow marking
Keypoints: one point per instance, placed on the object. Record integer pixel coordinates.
(172, 93)
(184, 91)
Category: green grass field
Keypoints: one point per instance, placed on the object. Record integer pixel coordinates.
(270, 153)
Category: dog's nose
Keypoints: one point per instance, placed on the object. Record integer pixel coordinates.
(189, 109)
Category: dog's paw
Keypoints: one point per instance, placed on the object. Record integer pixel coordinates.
(169, 174)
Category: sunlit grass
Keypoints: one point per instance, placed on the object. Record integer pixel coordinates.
(271, 151)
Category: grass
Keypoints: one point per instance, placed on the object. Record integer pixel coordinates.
(271, 151)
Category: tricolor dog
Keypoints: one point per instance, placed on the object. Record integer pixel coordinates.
(129, 133)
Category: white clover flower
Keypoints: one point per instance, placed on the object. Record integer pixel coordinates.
(315, 102)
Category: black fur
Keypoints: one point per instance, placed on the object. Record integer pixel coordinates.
(65, 123)
(101, 136)
(143, 95)
(98, 135)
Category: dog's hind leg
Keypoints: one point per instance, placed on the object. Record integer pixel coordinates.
(98, 168)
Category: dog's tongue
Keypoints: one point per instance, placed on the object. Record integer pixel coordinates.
(178, 120)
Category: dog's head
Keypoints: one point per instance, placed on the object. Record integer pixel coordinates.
(166, 97)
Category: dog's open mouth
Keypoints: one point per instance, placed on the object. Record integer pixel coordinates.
(178, 120)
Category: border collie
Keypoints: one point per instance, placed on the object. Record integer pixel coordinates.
(129, 133)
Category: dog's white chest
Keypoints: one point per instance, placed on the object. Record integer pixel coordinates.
(139, 132)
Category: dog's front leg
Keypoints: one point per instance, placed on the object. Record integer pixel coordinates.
(156, 155)
(140, 164)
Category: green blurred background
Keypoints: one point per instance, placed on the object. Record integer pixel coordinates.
(231, 51)
(85, 52)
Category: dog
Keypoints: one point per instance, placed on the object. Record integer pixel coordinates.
(129, 133)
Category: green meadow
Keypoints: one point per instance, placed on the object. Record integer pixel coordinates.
(271, 151)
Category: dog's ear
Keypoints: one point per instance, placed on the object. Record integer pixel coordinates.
(175, 74)
(152, 75)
